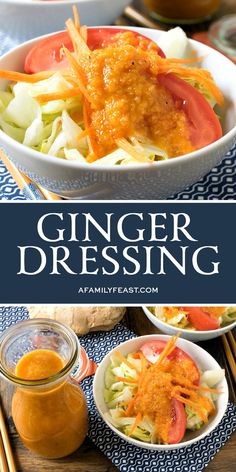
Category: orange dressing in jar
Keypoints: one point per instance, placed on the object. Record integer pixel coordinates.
(180, 11)
(51, 419)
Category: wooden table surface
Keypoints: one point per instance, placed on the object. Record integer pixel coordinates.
(88, 458)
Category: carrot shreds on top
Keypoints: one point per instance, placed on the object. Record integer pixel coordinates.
(170, 346)
(130, 407)
(78, 73)
(125, 361)
(83, 134)
(84, 33)
(144, 366)
(76, 17)
(48, 97)
(197, 387)
(195, 407)
(202, 76)
(189, 60)
(136, 355)
(136, 423)
(126, 380)
(92, 141)
(80, 47)
(28, 78)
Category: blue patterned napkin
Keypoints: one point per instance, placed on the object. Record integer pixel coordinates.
(220, 183)
(126, 457)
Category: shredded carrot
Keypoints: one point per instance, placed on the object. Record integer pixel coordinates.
(48, 97)
(93, 147)
(206, 389)
(76, 17)
(143, 370)
(80, 47)
(83, 134)
(136, 423)
(193, 405)
(130, 407)
(170, 346)
(197, 387)
(192, 60)
(84, 33)
(21, 77)
(79, 74)
(123, 359)
(126, 380)
(202, 76)
(136, 355)
(77, 116)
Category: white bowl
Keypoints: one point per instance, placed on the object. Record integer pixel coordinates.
(202, 358)
(194, 336)
(156, 181)
(26, 19)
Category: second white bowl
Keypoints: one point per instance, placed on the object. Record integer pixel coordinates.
(189, 334)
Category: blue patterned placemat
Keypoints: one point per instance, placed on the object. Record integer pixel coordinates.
(126, 457)
(220, 183)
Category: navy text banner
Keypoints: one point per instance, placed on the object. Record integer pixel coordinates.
(126, 253)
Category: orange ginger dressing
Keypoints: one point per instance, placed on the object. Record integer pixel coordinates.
(154, 394)
(128, 101)
(51, 420)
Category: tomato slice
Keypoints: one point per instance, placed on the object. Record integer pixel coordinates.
(203, 123)
(201, 320)
(152, 349)
(179, 423)
(46, 54)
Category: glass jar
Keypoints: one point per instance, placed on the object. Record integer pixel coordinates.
(177, 11)
(49, 414)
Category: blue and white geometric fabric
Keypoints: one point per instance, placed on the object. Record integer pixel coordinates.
(126, 457)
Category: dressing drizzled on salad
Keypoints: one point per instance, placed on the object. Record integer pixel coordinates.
(109, 96)
(158, 392)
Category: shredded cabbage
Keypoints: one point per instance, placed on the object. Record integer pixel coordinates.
(229, 316)
(50, 128)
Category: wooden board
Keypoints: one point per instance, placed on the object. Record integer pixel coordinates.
(88, 458)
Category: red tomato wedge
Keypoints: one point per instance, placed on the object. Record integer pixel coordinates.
(204, 125)
(179, 423)
(46, 54)
(201, 320)
(152, 349)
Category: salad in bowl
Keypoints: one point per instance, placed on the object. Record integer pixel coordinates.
(160, 392)
(196, 323)
(109, 96)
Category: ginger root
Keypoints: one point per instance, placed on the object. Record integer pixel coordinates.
(81, 319)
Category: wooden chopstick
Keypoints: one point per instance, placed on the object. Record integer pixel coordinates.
(142, 20)
(3, 460)
(6, 444)
(230, 357)
(232, 342)
(26, 185)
